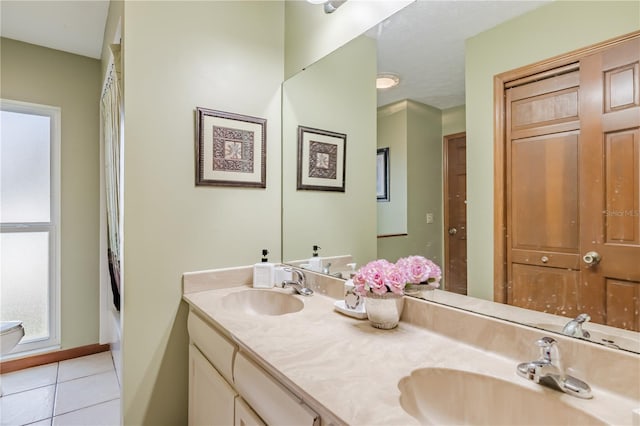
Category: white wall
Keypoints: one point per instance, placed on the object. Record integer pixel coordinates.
(227, 56)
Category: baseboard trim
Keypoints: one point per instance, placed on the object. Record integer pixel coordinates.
(49, 357)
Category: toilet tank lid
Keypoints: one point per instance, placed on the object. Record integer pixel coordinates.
(9, 326)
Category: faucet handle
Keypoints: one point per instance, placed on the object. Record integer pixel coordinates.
(547, 345)
(582, 318)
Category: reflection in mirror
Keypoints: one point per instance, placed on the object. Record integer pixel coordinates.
(336, 94)
(412, 125)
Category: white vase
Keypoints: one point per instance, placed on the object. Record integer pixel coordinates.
(419, 290)
(384, 310)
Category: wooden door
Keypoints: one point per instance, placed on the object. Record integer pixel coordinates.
(542, 194)
(610, 184)
(455, 213)
(573, 189)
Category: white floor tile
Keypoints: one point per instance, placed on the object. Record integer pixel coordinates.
(85, 366)
(27, 407)
(105, 414)
(30, 378)
(86, 391)
(45, 422)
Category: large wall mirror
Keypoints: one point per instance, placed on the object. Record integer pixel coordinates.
(337, 94)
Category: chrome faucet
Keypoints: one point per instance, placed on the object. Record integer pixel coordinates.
(574, 327)
(549, 371)
(299, 283)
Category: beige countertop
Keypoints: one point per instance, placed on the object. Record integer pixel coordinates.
(349, 371)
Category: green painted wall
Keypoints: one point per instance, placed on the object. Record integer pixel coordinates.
(424, 187)
(40, 75)
(339, 222)
(226, 56)
(453, 120)
(553, 29)
(392, 134)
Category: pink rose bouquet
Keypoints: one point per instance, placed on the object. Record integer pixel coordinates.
(379, 277)
(418, 269)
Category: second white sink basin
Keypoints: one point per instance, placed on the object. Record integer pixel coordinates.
(440, 396)
(262, 302)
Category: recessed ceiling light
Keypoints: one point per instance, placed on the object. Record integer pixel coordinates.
(387, 80)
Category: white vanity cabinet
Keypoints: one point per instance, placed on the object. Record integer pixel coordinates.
(228, 388)
(211, 395)
(275, 404)
(211, 398)
(245, 416)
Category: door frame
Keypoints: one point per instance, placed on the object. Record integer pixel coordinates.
(445, 195)
(501, 82)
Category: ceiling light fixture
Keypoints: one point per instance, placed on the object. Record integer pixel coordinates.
(387, 81)
(330, 6)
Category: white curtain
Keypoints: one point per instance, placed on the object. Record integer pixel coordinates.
(110, 108)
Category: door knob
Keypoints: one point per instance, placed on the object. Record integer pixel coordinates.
(453, 231)
(591, 258)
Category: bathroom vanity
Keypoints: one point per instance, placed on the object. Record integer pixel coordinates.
(271, 357)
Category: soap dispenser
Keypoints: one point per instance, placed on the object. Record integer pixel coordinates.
(352, 270)
(264, 272)
(315, 263)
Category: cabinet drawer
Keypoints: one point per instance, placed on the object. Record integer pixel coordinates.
(213, 345)
(270, 400)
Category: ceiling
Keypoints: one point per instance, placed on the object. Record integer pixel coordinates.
(75, 26)
(423, 43)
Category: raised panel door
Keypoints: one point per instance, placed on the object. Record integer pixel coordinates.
(543, 200)
(572, 187)
(455, 206)
(610, 120)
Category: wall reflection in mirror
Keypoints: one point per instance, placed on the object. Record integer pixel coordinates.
(412, 120)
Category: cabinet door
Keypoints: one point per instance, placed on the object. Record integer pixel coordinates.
(211, 399)
(245, 416)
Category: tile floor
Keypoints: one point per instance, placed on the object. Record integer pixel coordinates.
(82, 391)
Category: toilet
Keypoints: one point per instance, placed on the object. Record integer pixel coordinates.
(10, 334)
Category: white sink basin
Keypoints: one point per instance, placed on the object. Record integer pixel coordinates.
(262, 302)
(440, 396)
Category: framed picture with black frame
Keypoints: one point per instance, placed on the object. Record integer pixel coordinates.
(382, 175)
(231, 149)
(321, 160)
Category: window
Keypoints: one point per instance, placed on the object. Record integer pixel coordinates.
(29, 221)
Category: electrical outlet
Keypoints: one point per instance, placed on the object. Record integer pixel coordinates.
(429, 217)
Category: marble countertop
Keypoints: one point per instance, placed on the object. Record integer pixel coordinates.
(349, 371)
